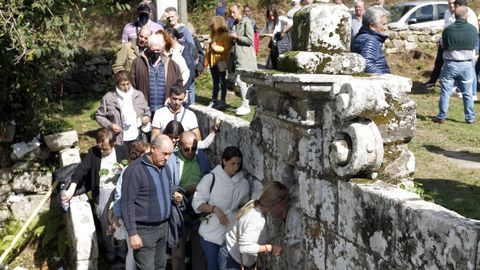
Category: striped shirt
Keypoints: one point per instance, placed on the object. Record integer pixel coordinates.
(146, 195)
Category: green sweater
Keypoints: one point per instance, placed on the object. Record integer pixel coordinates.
(459, 36)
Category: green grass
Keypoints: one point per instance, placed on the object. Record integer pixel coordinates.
(79, 112)
(203, 96)
(446, 183)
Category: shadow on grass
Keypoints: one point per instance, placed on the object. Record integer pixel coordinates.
(454, 195)
(431, 117)
(463, 155)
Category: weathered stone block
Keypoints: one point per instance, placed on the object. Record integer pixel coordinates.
(23, 209)
(424, 38)
(398, 164)
(59, 141)
(322, 28)
(368, 214)
(5, 191)
(280, 139)
(321, 63)
(29, 182)
(432, 237)
(278, 170)
(295, 255)
(360, 97)
(6, 176)
(4, 215)
(318, 199)
(254, 154)
(310, 152)
(82, 230)
(69, 156)
(315, 246)
(342, 254)
(404, 34)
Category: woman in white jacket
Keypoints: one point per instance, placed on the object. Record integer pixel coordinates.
(221, 201)
(248, 238)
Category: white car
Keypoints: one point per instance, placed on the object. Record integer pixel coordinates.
(419, 13)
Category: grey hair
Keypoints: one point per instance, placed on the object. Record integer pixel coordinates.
(374, 15)
(169, 9)
(160, 139)
(154, 39)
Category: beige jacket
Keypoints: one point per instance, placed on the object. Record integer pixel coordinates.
(125, 56)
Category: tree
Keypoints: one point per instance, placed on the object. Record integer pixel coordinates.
(38, 42)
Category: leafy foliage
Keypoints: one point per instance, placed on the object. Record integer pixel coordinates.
(38, 42)
(47, 230)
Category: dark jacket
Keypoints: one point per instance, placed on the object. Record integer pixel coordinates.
(368, 44)
(88, 172)
(141, 75)
(146, 195)
(459, 36)
(189, 53)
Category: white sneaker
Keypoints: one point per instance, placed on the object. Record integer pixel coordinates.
(475, 98)
(210, 105)
(242, 111)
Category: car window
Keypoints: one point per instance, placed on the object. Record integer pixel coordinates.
(397, 12)
(441, 9)
(422, 14)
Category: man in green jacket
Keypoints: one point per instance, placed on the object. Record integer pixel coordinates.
(131, 50)
(458, 42)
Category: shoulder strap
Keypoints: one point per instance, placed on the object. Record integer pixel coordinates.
(213, 182)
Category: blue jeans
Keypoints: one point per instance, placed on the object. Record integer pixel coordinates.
(210, 250)
(225, 260)
(474, 83)
(460, 74)
(191, 95)
(219, 79)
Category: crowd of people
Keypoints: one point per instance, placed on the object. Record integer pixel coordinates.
(151, 183)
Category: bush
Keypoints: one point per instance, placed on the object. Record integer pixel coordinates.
(38, 42)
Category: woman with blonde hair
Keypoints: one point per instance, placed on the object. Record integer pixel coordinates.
(247, 238)
(217, 58)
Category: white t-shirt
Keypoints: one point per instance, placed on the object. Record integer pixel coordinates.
(109, 171)
(282, 23)
(182, 64)
(450, 18)
(164, 115)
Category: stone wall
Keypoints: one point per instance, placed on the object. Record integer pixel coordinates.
(412, 37)
(330, 139)
(25, 178)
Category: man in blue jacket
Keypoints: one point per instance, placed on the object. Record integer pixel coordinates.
(458, 42)
(146, 204)
(186, 167)
(369, 40)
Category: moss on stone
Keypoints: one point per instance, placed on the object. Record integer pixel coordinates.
(343, 31)
(321, 66)
(388, 115)
(301, 29)
(362, 74)
(362, 181)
